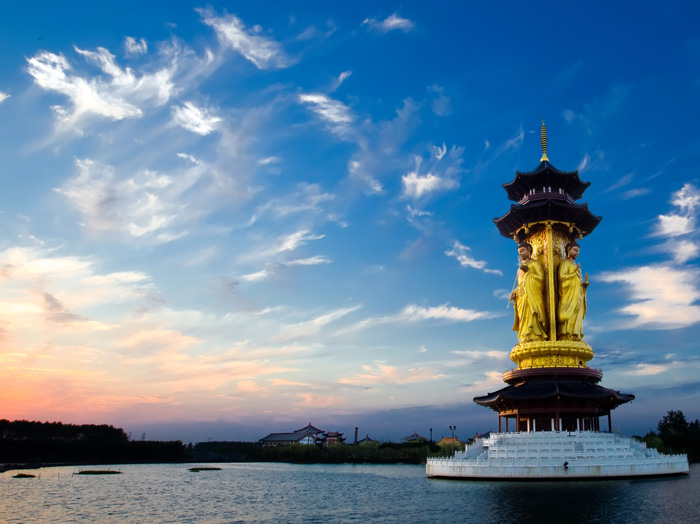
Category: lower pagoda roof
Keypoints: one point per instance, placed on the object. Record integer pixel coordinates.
(544, 210)
(543, 390)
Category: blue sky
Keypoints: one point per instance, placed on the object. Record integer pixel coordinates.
(228, 219)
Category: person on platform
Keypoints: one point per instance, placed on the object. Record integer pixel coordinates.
(528, 298)
(572, 295)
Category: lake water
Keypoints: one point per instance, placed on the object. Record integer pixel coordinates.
(288, 493)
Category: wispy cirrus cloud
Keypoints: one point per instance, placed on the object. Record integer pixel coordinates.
(335, 114)
(3, 97)
(598, 109)
(438, 174)
(310, 328)
(683, 220)
(441, 104)
(663, 297)
(648, 369)
(381, 373)
(262, 51)
(195, 119)
(288, 243)
(413, 313)
(116, 95)
(342, 77)
(461, 252)
(307, 198)
(390, 23)
(311, 261)
(146, 204)
(135, 47)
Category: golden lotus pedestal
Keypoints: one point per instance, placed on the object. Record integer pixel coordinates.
(546, 353)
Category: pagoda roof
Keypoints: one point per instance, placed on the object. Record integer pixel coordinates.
(541, 390)
(289, 437)
(545, 175)
(309, 429)
(414, 437)
(550, 207)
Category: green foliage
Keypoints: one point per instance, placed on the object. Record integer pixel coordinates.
(676, 435)
(447, 450)
(54, 442)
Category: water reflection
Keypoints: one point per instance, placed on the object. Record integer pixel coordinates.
(267, 493)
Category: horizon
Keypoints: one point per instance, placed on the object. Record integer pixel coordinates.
(237, 219)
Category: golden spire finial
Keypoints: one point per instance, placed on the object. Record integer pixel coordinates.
(544, 143)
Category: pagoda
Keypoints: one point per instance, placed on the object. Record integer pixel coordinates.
(549, 414)
(552, 388)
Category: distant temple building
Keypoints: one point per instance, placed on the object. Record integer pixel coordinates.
(366, 440)
(332, 438)
(305, 435)
(415, 437)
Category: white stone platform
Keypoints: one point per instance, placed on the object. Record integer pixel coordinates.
(546, 455)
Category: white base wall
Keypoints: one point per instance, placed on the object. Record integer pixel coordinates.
(556, 455)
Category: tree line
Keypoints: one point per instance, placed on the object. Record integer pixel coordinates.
(25, 442)
(674, 434)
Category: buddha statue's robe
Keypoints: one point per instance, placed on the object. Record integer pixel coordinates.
(530, 317)
(572, 301)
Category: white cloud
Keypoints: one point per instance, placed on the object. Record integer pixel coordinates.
(3, 97)
(115, 96)
(674, 225)
(254, 277)
(306, 198)
(648, 369)
(294, 240)
(336, 114)
(413, 313)
(683, 250)
(412, 212)
(415, 186)
(263, 52)
(481, 354)
(382, 373)
(461, 253)
(300, 330)
(135, 47)
(342, 77)
(662, 297)
(390, 23)
(284, 244)
(195, 119)
(634, 193)
(439, 152)
(583, 164)
(686, 199)
(311, 261)
(442, 104)
(147, 204)
(442, 173)
(371, 186)
(513, 143)
(620, 182)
